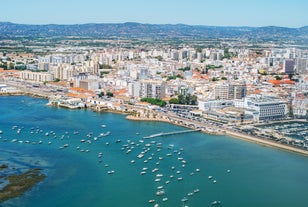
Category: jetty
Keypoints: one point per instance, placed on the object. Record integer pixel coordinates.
(171, 133)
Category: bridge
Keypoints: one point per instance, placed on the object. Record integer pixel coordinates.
(171, 133)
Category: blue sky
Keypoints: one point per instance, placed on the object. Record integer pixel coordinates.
(289, 13)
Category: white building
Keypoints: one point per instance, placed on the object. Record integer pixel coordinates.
(265, 108)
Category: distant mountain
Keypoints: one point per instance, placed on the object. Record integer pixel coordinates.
(138, 30)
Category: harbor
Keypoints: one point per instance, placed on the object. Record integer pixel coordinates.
(190, 169)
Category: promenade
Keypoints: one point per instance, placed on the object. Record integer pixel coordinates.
(172, 119)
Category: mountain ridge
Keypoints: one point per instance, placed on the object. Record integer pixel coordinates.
(140, 30)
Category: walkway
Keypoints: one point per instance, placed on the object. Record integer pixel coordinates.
(171, 133)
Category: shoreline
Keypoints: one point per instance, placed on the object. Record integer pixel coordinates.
(226, 132)
(236, 135)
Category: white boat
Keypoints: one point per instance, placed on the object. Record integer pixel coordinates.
(143, 172)
(184, 199)
(196, 190)
(159, 175)
(151, 201)
(216, 203)
(165, 199)
(160, 192)
(157, 180)
(110, 172)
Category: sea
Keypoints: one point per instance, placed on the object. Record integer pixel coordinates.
(102, 160)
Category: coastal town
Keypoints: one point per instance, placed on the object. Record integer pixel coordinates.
(229, 89)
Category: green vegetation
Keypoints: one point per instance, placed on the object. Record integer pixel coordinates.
(185, 68)
(109, 94)
(154, 101)
(174, 101)
(213, 67)
(187, 100)
(215, 79)
(174, 77)
(224, 78)
(277, 77)
(105, 66)
(57, 80)
(160, 58)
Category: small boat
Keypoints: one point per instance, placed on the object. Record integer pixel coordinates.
(110, 172)
(157, 180)
(196, 190)
(210, 177)
(165, 199)
(151, 201)
(184, 199)
(216, 203)
(143, 172)
(160, 192)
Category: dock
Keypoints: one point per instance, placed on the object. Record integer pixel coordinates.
(171, 133)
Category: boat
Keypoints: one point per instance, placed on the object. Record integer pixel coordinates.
(157, 180)
(151, 201)
(216, 203)
(159, 175)
(180, 178)
(143, 172)
(103, 125)
(164, 199)
(110, 172)
(196, 190)
(160, 187)
(210, 177)
(160, 192)
(184, 199)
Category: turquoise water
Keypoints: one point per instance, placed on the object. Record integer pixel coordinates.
(78, 176)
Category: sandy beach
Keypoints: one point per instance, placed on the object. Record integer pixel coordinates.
(241, 136)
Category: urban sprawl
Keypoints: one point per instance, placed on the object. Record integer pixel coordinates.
(228, 88)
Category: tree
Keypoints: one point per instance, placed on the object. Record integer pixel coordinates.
(174, 101)
(109, 94)
(277, 77)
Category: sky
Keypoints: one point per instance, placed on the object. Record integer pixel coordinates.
(257, 13)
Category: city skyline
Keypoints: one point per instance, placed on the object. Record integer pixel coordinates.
(284, 13)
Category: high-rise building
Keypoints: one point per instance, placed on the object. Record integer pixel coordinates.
(301, 66)
(152, 89)
(289, 66)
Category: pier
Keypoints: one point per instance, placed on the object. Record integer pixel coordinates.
(171, 133)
